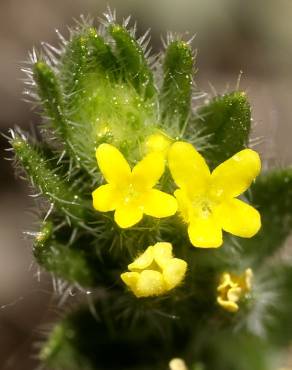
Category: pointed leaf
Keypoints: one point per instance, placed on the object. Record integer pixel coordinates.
(176, 91)
(226, 120)
(132, 60)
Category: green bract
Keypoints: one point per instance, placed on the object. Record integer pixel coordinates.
(101, 86)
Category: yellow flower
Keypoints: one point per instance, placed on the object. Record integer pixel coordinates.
(129, 193)
(158, 142)
(232, 288)
(155, 272)
(207, 201)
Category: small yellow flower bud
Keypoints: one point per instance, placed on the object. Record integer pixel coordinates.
(158, 142)
(177, 364)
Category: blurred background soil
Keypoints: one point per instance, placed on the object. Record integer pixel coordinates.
(252, 36)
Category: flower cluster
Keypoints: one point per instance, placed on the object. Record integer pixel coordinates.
(206, 201)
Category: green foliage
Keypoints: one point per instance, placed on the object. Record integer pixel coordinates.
(51, 96)
(132, 61)
(175, 99)
(67, 261)
(226, 119)
(45, 179)
(101, 87)
(272, 195)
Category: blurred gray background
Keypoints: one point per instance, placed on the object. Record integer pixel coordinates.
(252, 36)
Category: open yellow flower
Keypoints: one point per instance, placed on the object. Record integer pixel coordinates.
(232, 288)
(155, 272)
(207, 201)
(130, 193)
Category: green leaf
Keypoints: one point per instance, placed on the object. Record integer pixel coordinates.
(46, 180)
(101, 57)
(134, 66)
(226, 121)
(75, 64)
(50, 93)
(271, 194)
(73, 265)
(175, 99)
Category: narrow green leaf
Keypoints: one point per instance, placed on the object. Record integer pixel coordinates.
(133, 63)
(226, 120)
(101, 57)
(47, 181)
(176, 91)
(75, 63)
(49, 91)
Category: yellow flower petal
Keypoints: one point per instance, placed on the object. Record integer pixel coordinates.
(162, 253)
(150, 283)
(128, 215)
(234, 294)
(174, 272)
(148, 171)
(205, 232)
(238, 218)
(131, 279)
(248, 279)
(188, 168)
(105, 198)
(112, 164)
(183, 204)
(227, 305)
(159, 204)
(234, 176)
(226, 282)
(143, 261)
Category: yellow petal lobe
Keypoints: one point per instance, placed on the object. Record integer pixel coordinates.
(183, 204)
(238, 218)
(234, 176)
(143, 261)
(227, 305)
(162, 253)
(130, 279)
(159, 204)
(148, 171)
(112, 164)
(188, 168)
(205, 232)
(150, 283)
(128, 215)
(105, 198)
(174, 272)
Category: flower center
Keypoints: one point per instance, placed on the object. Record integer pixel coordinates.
(203, 206)
(131, 194)
(206, 208)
